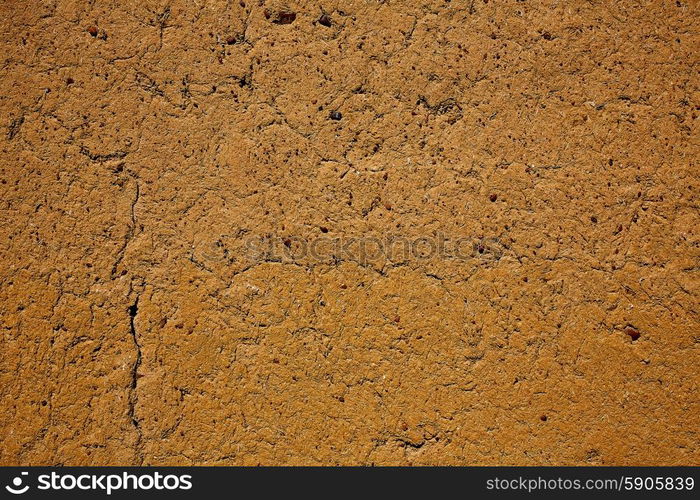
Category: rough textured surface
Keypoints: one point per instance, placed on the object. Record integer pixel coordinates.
(166, 165)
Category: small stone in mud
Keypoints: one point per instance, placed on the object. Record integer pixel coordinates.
(325, 20)
(336, 115)
(92, 30)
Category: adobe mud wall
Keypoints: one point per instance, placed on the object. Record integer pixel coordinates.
(349, 232)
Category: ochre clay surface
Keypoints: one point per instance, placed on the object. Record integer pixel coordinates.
(166, 165)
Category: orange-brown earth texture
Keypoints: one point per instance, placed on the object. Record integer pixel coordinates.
(349, 232)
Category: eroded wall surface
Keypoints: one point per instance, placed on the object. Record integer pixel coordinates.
(349, 232)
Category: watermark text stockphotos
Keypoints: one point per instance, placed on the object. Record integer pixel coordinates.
(360, 249)
(106, 483)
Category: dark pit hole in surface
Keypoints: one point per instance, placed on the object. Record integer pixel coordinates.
(133, 310)
(284, 17)
(325, 20)
(633, 332)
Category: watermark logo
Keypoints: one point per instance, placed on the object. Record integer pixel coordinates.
(105, 483)
(16, 488)
(363, 249)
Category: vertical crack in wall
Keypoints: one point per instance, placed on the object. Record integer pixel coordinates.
(131, 231)
(133, 395)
